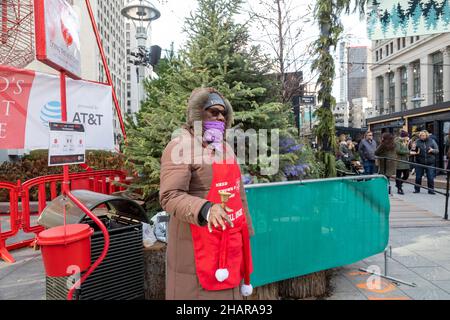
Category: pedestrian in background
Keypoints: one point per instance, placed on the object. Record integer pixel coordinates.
(403, 152)
(426, 151)
(387, 150)
(447, 149)
(367, 152)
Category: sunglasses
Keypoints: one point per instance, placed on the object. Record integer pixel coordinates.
(215, 112)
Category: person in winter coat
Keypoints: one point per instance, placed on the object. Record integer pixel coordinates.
(403, 152)
(387, 150)
(208, 253)
(344, 150)
(367, 149)
(426, 151)
(447, 150)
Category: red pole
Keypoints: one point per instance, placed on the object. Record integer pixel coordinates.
(4, 21)
(65, 185)
(66, 192)
(105, 248)
(105, 65)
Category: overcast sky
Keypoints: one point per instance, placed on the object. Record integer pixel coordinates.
(168, 28)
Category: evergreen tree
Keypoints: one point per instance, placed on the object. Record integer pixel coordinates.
(395, 19)
(416, 17)
(412, 5)
(432, 18)
(385, 20)
(371, 23)
(404, 21)
(375, 3)
(426, 7)
(446, 12)
(217, 54)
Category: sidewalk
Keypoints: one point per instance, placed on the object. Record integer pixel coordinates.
(23, 280)
(420, 241)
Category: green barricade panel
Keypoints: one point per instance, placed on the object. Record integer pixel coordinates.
(315, 225)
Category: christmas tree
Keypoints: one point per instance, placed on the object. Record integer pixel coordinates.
(217, 54)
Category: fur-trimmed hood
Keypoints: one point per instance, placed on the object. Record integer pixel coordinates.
(196, 103)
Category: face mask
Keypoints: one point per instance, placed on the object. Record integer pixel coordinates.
(213, 133)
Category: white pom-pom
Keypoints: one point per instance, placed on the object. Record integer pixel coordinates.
(246, 290)
(222, 275)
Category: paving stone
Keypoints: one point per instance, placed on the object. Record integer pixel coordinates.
(414, 279)
(432, 273)
(443, 284)
(347, 296)
(414, 261)
(435, 256)
(444, 264)
(427, 294)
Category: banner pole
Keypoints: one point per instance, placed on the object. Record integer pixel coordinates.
(105, 65)
(65, 185)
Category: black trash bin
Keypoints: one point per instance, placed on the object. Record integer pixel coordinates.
(121, 275)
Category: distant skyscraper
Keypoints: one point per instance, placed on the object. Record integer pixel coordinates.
(342, 72)
(357, 71)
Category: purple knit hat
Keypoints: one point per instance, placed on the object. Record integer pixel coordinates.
(404, 134)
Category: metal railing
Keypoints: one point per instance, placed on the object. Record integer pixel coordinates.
(19, 217)
(414, 165)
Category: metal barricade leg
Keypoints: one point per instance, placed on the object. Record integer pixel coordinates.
(4, 253)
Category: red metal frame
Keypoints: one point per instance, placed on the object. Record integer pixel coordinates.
(4, 21)
(14, 194)
(105, 65)
(97, 181)
(14, 219)
(105, 247)
(16, 35)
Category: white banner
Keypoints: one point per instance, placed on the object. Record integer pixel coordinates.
(87, 103)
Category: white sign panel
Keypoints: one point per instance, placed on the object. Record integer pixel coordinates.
(67, 144)
(58, 36)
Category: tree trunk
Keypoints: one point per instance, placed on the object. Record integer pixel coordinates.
(309, 286)
(267, 292)
(155, 271)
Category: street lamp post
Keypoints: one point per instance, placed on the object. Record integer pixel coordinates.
(141, 13)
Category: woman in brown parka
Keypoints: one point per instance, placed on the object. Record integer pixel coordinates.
(186, 181)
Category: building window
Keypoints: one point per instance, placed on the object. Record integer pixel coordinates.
(392, 47)
(376, 54)
(391, 77)
(403, 42)
(438, 77)
(404, 88)
(380, 82)
(387, 50)
(411, 40)
(398, 43)
(416, 75)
